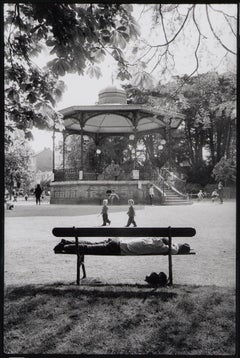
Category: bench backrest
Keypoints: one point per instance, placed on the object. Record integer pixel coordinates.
(123, 232)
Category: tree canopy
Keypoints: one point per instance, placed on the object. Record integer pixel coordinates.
(208, 132)
(17, 164)
(78, 37)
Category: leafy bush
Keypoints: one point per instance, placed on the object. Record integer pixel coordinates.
(193, 188)
(225, 170)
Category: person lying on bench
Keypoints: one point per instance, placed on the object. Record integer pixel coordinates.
(116, 246)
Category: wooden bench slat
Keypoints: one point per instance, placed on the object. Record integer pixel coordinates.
(70, 253)
(123, 232)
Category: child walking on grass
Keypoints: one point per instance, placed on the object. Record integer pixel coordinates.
(105, 213)
(131, 213)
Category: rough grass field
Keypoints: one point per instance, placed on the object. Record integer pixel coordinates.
(119, 319)
(114, 311)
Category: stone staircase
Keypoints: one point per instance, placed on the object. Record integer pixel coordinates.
(173, 198)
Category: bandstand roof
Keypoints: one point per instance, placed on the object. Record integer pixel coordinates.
(113, 116)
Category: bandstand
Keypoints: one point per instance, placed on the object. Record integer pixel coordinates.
(111, 116)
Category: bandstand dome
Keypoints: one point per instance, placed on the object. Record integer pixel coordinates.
(113, 116)
(112, 95)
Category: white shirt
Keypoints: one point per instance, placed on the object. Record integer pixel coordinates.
(150, 245)
(151, 191)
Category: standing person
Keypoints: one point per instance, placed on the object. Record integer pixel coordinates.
(151, 194)
(214, 195)
(105, 213)
(113, 195)
(15, 196)
(220, 191)
(131, 213)
(38, 193)
(26, 196)
(200, 195)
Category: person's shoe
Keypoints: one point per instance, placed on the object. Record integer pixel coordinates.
(103, 225)
(135, 225)
(59, 248)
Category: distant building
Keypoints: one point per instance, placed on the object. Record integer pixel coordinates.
(42, 165)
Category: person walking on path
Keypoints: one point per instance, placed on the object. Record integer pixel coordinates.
(131, 213)
(220, 191)
(38, 193)
(151, 194)
(105, 213)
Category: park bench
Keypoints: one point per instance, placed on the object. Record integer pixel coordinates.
(84, 232)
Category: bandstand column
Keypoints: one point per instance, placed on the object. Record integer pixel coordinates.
(53, 159)
(81, 147)
(170, 143)
(64, 148)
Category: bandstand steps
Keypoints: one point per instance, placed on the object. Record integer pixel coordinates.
(172, 198)
(177, 202)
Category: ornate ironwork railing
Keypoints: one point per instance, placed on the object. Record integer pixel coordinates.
(70, 174)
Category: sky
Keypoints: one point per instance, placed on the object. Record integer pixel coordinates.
(84, 90)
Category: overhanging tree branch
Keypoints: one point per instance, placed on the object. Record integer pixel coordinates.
(223, 12)
(166, 52)
(177, 33)
(214, 33)
(230, 25)
(195, 54)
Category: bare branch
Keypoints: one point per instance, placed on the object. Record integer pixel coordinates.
(163, 26)
(150, 59)
(214, 33)
(229, 23)
(143, 9)
(166, 52)
(177, 33)
(195, 54)
(145, 54)
(223, 12)
(221, 60)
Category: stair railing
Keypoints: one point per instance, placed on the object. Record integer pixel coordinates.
(173, 182)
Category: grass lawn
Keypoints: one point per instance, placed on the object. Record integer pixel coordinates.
(119, 319)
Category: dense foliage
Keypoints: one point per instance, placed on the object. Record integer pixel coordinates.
(17, 170)
(208, 132)
(78, 36)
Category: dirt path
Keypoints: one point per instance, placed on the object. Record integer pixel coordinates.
(29, 256)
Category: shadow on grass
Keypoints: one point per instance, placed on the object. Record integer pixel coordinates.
(103, 290)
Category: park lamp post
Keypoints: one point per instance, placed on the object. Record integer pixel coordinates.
(98, 152)
(133, 151)
(160, 148)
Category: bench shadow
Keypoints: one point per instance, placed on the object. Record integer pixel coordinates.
(100, 290)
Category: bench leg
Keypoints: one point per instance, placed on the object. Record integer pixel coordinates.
(170, 277)
(83, 266)
(78, 269)
(78, 261)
